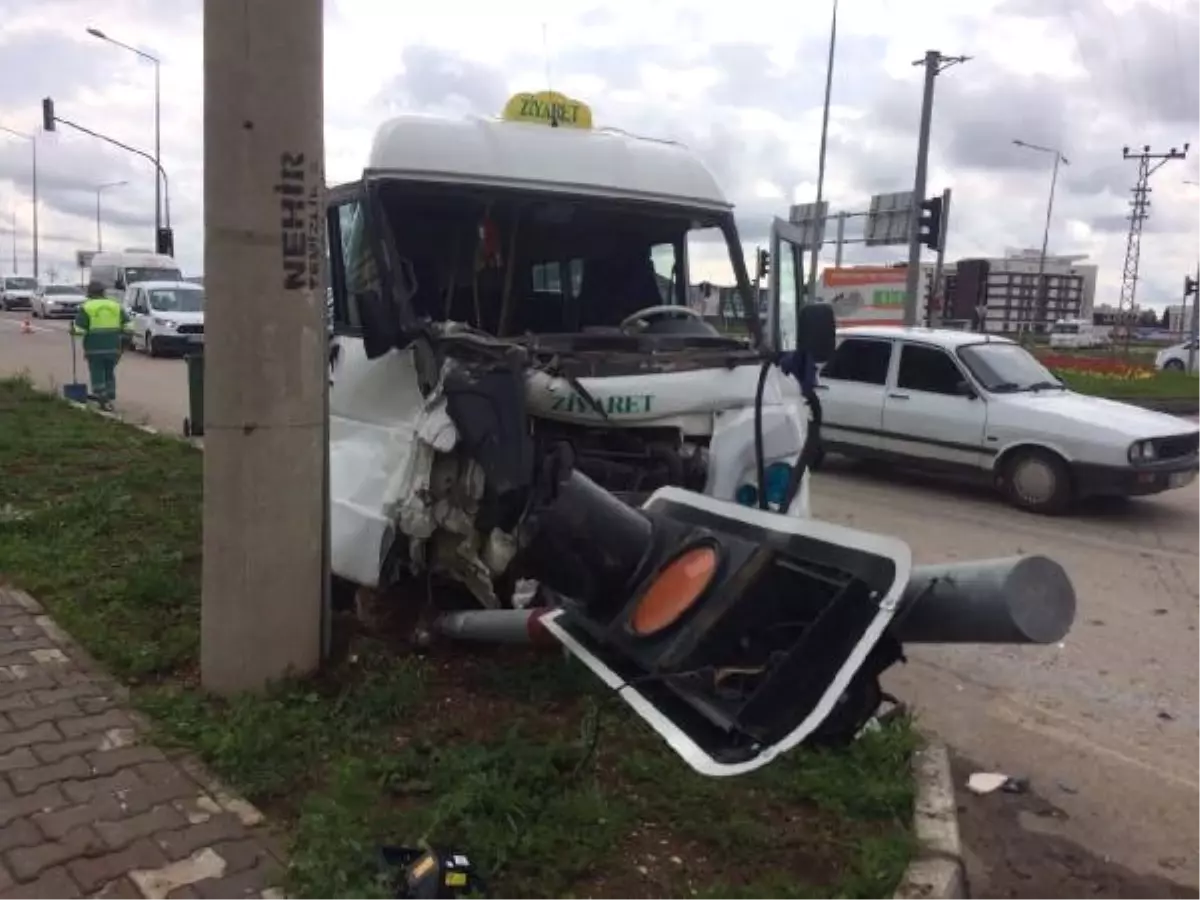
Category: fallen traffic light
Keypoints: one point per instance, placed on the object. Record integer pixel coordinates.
(738, 633)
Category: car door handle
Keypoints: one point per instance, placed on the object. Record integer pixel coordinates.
(898, 396)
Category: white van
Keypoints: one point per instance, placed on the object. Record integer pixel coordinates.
(1075, 334)
(116, 271)
(518, 221)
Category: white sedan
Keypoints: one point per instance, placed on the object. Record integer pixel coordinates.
(57, 301)
(1175, 359)
(979, 404)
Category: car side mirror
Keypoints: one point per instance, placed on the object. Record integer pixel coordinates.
(816, 331)
(963, 389)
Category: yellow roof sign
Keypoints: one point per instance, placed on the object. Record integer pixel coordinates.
(548, 108)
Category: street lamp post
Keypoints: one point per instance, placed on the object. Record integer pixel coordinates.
(32, 143)
(100, 188)
(158, 186)
(1058, 158)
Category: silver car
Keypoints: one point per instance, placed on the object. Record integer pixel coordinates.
(57, 301)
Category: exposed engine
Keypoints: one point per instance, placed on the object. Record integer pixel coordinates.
(630, 462)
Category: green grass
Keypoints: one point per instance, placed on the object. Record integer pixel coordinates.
(522, 762)
(1161, 385)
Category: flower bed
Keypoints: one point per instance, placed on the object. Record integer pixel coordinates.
(1105, 367)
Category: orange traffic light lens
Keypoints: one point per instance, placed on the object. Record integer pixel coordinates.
(674, 591)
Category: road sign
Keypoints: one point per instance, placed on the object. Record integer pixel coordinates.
(887, 222)
(83, 258)
(810, 217)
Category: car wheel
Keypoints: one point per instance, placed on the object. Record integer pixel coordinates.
(1037, 480)
(148, 345)
(1174, 365)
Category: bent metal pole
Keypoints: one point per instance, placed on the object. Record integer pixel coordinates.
(265, 342)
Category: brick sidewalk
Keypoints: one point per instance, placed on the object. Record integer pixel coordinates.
(86, 807)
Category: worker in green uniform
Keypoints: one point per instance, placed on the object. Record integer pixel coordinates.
(101, 322)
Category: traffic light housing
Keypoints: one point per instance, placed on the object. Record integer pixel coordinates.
(1190, 286)
(164, 243)
(734, 632)
(931, 223)
(764, 263)
(48, 114)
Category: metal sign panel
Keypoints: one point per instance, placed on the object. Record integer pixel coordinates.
(810, 217)
(888, 220)
(83, 258)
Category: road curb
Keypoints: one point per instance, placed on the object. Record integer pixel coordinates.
(938, 870)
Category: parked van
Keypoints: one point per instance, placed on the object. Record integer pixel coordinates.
(116, 271)
(1076, 334)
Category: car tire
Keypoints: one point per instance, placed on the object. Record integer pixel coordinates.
(1038, 481)
(1174, 365)
(148, 346)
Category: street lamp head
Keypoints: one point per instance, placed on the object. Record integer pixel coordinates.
(96, 32)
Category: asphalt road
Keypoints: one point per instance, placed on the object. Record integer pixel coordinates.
(1104, 726)
(149, 391)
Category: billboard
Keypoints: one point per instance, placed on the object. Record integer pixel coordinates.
(865, 295)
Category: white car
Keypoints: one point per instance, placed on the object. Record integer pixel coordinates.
(165, 316)
(1175, 359)
(16, 292)
(980, 404)
(55, 301)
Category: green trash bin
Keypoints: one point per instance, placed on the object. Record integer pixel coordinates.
(193, 425)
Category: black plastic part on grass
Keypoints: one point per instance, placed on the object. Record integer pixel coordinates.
(427, 873)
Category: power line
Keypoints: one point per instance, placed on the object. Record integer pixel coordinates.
(1148, 164)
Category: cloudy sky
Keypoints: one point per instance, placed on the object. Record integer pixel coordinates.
(741, 82)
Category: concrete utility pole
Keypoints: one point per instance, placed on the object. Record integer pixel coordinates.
(265, 342)
(934, 63)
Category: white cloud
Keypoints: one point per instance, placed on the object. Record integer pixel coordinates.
(741, 82)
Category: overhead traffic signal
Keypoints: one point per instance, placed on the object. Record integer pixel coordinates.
(931, 223)
(48, 114)
(764, 263)
(165, 242)
(1190, 286)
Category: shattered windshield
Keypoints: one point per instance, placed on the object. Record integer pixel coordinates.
(518, 263)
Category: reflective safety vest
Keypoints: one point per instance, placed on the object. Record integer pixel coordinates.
(102, 314)
(102, 323)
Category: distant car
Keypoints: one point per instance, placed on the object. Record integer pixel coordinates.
(165, 316)
(55, 301)
(983, 405)
(1175, 359)
(16, 292)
